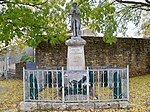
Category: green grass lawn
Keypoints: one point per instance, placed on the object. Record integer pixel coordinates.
(11, 95)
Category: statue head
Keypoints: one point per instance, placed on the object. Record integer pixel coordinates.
(74, 4)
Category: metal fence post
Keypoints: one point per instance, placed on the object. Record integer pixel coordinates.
(128, 82)
(87, 75)
(24, 84)
(63, 93)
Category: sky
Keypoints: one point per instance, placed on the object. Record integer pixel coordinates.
(132, 29)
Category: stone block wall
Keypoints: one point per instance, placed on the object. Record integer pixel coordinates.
(51, 56)
(127, 51)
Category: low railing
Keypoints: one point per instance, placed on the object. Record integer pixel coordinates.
(42, 85)
(98, 84)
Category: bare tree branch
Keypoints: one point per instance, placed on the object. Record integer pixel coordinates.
(147, 1)
(147, 4)
(139, 7)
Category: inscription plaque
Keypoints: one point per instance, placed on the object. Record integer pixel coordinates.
(75, 59)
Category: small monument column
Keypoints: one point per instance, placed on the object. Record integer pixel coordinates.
(75, 54)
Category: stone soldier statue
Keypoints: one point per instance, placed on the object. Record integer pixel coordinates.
(75, 20)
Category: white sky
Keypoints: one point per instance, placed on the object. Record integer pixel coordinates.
(132, 29)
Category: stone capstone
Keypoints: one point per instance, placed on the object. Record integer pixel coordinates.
(75, 41)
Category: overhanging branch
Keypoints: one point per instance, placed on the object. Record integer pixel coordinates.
(147, 4)
(139, 7)
(147, 1)
(22, 3)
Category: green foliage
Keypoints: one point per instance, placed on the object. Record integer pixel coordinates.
(146, 28)
(146, 25)
(37, 20)
(23, 21)
(26, 58)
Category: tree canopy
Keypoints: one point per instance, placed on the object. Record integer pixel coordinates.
(35, 21)
(143, 6)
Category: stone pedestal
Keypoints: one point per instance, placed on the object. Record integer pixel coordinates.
(35, 106)
(75, 59)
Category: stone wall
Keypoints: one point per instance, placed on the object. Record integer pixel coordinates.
(127, 51)
(19, 70)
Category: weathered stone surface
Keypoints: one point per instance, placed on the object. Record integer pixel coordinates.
(73, 75)
(28, 106)
(32, 106)
(19, 69)
(75, 97)
(75, 58)
(75, 41)
(127, 51)
(108, 105)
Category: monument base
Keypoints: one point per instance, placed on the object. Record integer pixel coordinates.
(35, 106)
(73, 75)
(75, 59)
(75, 97)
